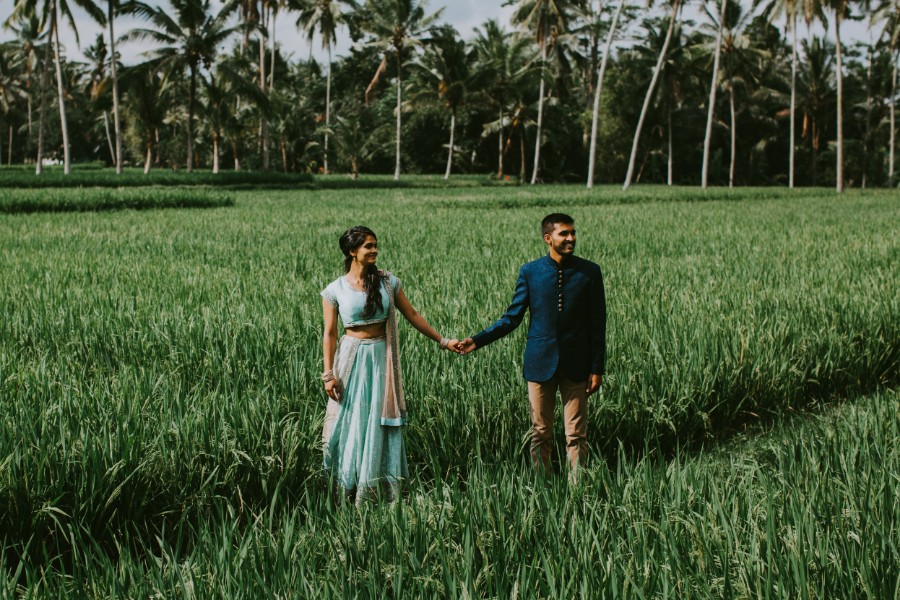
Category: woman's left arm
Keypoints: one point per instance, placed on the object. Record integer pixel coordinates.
(418, 321)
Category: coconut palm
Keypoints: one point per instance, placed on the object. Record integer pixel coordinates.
(741, 58)
(675, 10)
(11, 87)
(111, 8)
(816, 97)
(595, 113)
(322, 17)
(789, 9)
(547, 20)
(50, 12)
(680, 75)
(221, 87)
(888, 12)
(841, 10)
(443, 74)
(98, 83)
(397, 28)
(713, 86)
(147, 96)
(29, 33)
(189, 35)
(504, 65)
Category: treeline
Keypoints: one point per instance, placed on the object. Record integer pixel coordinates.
(569, 91)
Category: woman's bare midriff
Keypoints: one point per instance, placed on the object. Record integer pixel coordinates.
(367, 332)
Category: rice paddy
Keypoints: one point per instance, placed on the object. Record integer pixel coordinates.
(161, 405)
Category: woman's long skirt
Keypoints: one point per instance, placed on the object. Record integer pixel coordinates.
(361, 454)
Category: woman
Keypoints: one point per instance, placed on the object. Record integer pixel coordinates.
(366, 410)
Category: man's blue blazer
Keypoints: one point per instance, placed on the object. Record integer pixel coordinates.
(567, 331)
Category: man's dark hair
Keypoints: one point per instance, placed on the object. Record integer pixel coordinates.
(552, 219)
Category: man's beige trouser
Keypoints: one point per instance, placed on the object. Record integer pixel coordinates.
(542, 397)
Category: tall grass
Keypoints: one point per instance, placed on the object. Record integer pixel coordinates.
(810, 510)
(158, 373)
(93, 177)
(19, 201)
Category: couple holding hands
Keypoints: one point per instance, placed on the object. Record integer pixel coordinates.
(565, 351)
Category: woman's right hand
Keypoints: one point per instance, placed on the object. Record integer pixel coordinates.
(333, 390)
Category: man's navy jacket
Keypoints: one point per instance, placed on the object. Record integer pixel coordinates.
(568, 319)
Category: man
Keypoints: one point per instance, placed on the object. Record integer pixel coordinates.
(566, 347)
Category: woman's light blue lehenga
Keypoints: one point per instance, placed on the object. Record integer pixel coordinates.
(362, 454)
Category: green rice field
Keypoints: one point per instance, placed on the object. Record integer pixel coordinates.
(161, 409)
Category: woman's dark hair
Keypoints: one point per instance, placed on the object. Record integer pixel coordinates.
(350, 240)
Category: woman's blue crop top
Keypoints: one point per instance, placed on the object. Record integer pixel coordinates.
(350, 302)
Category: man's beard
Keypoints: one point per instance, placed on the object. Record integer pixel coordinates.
(565, 248)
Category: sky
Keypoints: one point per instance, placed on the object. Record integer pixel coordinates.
(464, 15)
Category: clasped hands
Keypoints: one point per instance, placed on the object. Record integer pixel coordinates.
(461, 346)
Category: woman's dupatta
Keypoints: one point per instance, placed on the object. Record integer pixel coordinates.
(393, 411)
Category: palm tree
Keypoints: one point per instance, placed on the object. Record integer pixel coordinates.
(790, 8)
(11, 87)
(679, 75)
(51, 11)
(741, 60)
(98, 59)
(675, 7)
(148, 93)
(221, 87)
(397, 27)
(841, 10)
(112, 6)
(504, 67)
(322, 16)
(190, 36)
(888, 12)
(595, 115)
(713, 86)
(816, 96)
(29, 32)
(444, 74)
(547, 19)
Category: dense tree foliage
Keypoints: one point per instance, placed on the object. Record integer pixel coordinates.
(516, 101)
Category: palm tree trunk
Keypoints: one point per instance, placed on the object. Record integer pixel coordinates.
(397, 166)
(649, 96)
(234, 151)
(592, 159)
(793, 100)
(733, 135)
(9, 149)
(327, 109)
(711, 109)
(671, 166)
(54, 30)
(540, 120)
(148, 160)
(109, 142)
(215, 141)
(868, 135)
(500, 147)
(839, 186)
(272, 14)
(522, 174)
(893, 136)
(283, 145)
(191, 94)
(264, 120)
(117, 122)
(450, 153)
(42, 118)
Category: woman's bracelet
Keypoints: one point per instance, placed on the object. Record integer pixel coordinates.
(444, 343)
(328, 376)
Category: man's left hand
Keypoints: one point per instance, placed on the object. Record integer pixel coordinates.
(594, 382)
